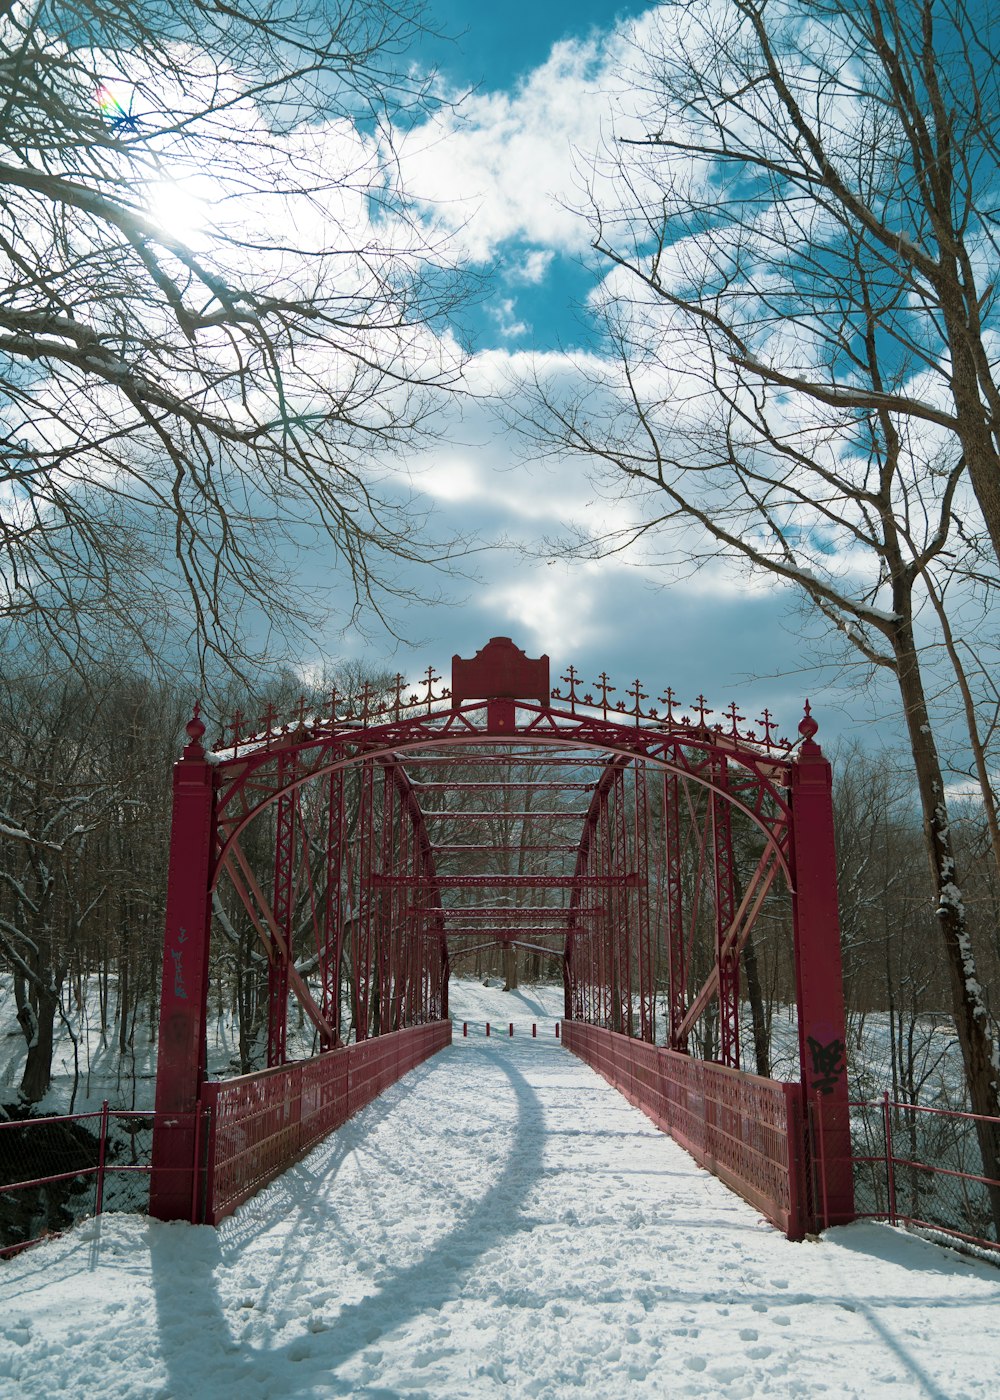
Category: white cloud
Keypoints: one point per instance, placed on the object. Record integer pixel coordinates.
(554, 602)
(504, 313)
(503, 166)
(532, 269)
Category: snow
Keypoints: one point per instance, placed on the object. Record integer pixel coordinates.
(500, 1222)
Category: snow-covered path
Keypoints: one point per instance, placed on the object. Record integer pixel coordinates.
(501, 1222)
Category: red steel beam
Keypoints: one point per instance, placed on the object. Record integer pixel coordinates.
(562, 849)
(727, 957)
(501, 785)
(522, 931)
(627, 879)
(502, 816)
(581, 759)
(510, 911)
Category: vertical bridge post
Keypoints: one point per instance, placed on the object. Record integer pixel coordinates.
(181, 1065)
(820, 982)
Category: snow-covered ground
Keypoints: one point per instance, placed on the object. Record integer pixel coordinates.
(500, 1222)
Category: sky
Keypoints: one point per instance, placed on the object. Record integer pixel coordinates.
(502, 173)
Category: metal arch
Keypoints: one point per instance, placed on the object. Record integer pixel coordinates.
(574, 1002)
(693, 756)
(393, 981)
(401, 981)
(626, 742)
(599, 970)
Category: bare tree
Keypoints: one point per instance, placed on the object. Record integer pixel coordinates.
(83, 799)
(781, 388)
(813, 141)
(216, 313)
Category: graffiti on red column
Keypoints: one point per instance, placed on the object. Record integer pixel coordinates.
(828, 1063)
(176, 954)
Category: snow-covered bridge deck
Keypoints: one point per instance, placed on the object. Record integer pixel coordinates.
(500, 1222)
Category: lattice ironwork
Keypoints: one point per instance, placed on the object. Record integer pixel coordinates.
(411, 825)
(746, 1130)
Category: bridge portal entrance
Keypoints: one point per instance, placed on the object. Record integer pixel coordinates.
(640, 846)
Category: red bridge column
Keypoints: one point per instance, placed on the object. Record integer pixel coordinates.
(822, 1029)
(284, 901)
(180, 1066)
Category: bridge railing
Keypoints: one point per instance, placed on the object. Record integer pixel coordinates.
(922, 1167)
(746, 1130)
(261, 1123)
(56, 1170)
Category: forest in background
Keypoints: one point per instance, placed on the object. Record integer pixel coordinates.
(85, 784)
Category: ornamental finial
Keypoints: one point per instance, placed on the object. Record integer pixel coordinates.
(807, 725)
(195, 730)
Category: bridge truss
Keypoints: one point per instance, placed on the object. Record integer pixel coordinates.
(375, 846)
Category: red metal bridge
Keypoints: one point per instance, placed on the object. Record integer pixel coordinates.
(376, 845)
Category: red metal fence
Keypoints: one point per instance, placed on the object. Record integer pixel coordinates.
(55, 1171)
(922, 1167)
(262, 1123)
(744, 1129)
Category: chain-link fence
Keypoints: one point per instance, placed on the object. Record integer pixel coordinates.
(925, 1167)
(56, 1171)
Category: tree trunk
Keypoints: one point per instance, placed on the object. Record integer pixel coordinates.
(509, 967)
(971, 377)
(971, 1023)
(757, 1018)
(37, 1022)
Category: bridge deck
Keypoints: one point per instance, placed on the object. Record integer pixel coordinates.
(501, 1222)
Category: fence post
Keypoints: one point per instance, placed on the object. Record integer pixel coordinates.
(197, 1162)
(101, 1157)
(487, 1030)
(511, 1029)
(798, 1199)
(890, 1165)
(534, 1030)
(210, 1106)
(557, 1030)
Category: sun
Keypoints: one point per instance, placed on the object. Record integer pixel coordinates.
(181, 209)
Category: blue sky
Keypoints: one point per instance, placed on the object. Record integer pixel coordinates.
(494, 46)
(500, 173)
(494, 50)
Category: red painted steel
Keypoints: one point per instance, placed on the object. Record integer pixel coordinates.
(500, 669)
(360, 900)
(819, 976)
(263, 1123)
(676, 962)
(331, 935)
(726, 954)
(180, 1068)
(283, 908)
(745, 1130)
